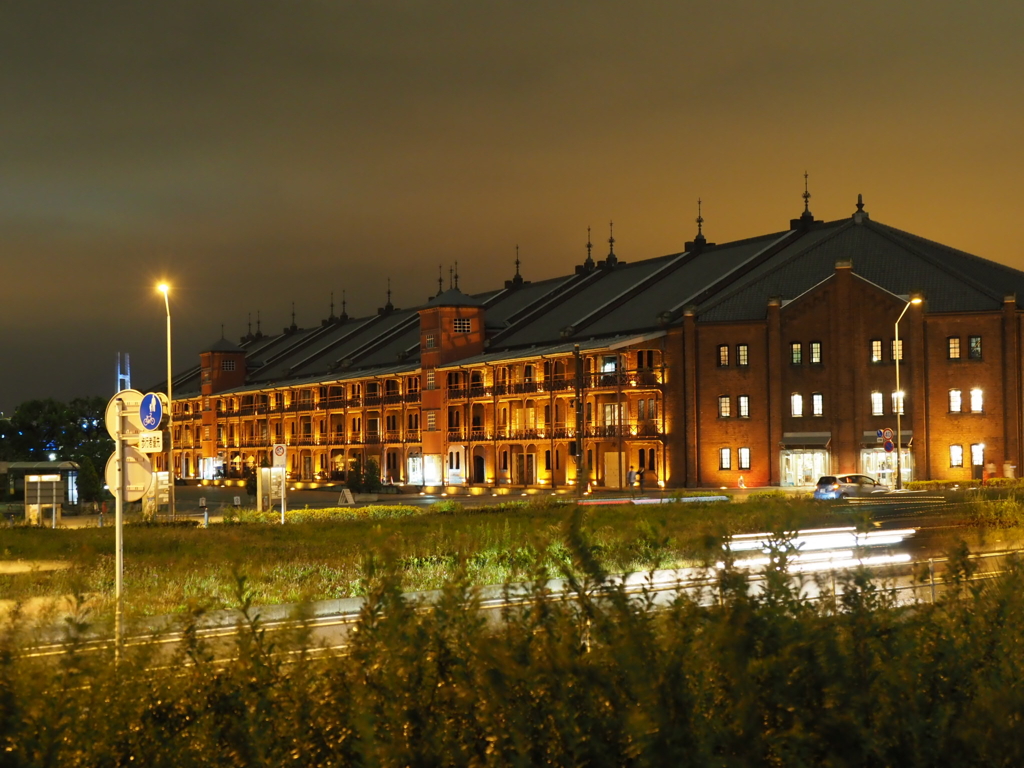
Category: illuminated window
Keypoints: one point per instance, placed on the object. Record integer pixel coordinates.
(796, 353)
(227, 365)
(956, 455)
(609, 364)
(742, 354)
(974, 347)
(744, 458)
(462, 325)
(796, 405)
(725, 458)
(815, 353)
(724, 407)
(978, 454)
(953, 348)
(976, 400)
(743, 406)
(723, 355)
(431, 341)
(431, 421)
(876, 350)
(430, 379)
(897, 350)
(817, 404)
(897, 403)
(955, 401)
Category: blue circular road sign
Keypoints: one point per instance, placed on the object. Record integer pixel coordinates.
(151, 412)
(889, 446)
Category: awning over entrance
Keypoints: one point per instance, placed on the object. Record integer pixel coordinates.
(871, 438)
(792, 440)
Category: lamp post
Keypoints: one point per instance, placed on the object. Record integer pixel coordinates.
(164, 288)
(899, 397)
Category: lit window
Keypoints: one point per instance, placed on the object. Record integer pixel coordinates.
(953, 347)
(725, 458)
(744, 458)
(227, 365)
(978, 454)
(461, 325)
(876, 404)
(742, 354)
(430, 379)
(876, 350)
(955, 401)
(431, 421)
(817, 404)
(815, 353)
(609, 364)
(431, 341)
(796, 405)
(897, 350)
(974, 347)
(976, 400)
(723, 355)
(956, 455)
(724, 407)
(796, 353)
(897, 403)
(743, 406)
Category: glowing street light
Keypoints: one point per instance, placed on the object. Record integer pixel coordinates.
(899, 396)
(165, 289)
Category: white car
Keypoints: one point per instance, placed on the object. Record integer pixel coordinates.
(844, 486)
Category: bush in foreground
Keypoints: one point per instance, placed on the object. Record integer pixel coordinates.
(606, 679)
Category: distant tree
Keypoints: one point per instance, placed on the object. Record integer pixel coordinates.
(371, 477)
(355, 477)
(70, 431)
(90, 488)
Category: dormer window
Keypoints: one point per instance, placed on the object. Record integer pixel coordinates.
(462, 325)
(227, 365)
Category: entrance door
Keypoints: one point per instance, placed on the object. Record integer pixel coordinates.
(530, 477)
(803, 467)
(307, 467)
(478, 469)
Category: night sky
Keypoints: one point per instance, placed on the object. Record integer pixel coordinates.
(259, 153)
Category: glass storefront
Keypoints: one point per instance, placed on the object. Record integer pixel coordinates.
(882, 466)
(803, 466)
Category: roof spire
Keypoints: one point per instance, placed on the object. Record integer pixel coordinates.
(259, 333)
(700, 225)
(344, 314)
(222, 330)
(249, 324)
(456, 275)
(389, 292)
(589, 263)
(440, 281)
(451, 278)
(807, 200)
(611, 260)
(332, 305)
(294, 326)
(517, 260)
(860, 203)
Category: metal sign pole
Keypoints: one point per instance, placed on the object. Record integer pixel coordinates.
(122, 482)
(284, 482)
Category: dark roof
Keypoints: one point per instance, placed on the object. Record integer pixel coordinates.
(223, 345)
(730, 282)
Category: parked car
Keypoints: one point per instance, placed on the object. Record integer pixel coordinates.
(843, 486)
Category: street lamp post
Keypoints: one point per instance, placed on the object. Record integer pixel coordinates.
(899, 397)
(164, 288)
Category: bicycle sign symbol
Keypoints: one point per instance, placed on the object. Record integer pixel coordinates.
(151, 412)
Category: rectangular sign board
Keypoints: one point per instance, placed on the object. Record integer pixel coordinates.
(151, 442)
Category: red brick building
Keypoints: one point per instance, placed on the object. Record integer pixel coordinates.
(772, 359)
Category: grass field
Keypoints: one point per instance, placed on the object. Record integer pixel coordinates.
(325, 554)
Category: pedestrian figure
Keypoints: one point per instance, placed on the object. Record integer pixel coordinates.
(631, 479)
(640, 479)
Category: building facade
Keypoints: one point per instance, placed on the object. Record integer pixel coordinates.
(765, 361)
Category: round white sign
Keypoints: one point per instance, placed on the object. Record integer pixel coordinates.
(132, 399)
(139, 474)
